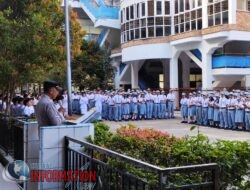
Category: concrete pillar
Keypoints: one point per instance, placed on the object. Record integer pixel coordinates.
(173, 72)
(134, 75)
(207, 77)
(204, 14)
(166, 73)
(232, 7)
(247, 81)
(172, 11)
(186, 64)
(173, 76)
(117, 77)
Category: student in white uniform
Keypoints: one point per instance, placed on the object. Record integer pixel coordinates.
(84, 103)
(29, 108)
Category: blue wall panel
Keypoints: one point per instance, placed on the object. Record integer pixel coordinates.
(227, 61)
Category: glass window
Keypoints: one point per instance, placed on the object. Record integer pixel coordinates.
(193, 25)
(217, 18)
(131, 34)
(127, 13)
(143, 22)
(211, 20)
(167, 20)
(199, 24)
(161, 80)
(176, 29)
(225, 5)
(138, 10)
(199, 13)
(217, 7)
(167, 7)
(182, 28)
(192, 78)
(181, 18)
(143, 32)
(187, 7)
(187, 26)
(150, 21)
(131, 25)
(176, 7)
(187, 16)
(199, 3)
(225, 17)
(158, 8)
(143, 9)
(159, 21)
(151, 32)
(193, 15)
(181, 6)
(210, 10)
(132, 12)
(137, 33)
(150, 8)
(159, 31)
(167, 30)
(137, 23)
(176, 20)
(128, 36)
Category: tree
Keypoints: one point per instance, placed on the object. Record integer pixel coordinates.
(91, 69)
(33, 45)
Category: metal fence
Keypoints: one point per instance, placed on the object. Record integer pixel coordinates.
(120, 172)
(11, 136)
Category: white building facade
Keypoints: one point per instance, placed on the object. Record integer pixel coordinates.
(178, 44)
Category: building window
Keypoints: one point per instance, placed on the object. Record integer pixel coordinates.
(158, 8)
(127, 13)
(176, 6)
(150, 8)
(138, 10)
(217, 12)
(132, 12)
(167, 7)
(143, 10)
(195, 80)
(161, 81)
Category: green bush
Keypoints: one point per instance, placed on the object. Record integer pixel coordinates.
(161, 149)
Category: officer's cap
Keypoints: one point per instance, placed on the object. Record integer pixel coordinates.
(51, 84)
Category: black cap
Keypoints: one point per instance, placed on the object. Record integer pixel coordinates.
(51, 84)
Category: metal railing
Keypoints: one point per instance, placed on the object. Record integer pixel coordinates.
(11, 136)
(116, 177)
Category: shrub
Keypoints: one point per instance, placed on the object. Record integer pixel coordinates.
(161, 149)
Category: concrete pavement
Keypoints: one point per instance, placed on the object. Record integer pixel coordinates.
(174, 127)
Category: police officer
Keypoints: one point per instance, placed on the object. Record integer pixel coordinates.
(46, 112)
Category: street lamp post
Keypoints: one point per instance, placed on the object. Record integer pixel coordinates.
(67, 31)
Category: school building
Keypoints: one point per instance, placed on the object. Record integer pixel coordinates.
(202, 44)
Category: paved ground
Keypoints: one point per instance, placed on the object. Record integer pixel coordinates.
(178, 129)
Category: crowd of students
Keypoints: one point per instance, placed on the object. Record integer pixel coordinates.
(225, 110)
